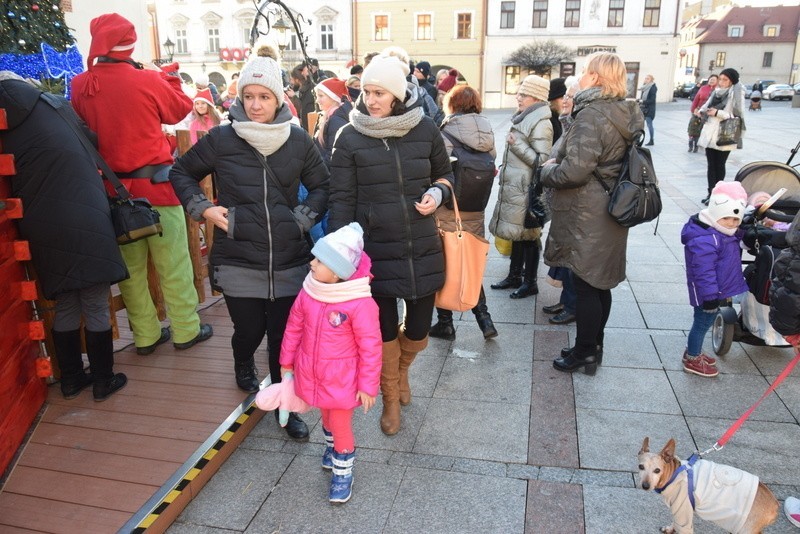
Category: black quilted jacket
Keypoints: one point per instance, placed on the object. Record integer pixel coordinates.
(784, 292)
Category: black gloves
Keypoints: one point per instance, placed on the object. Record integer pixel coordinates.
(711, 305)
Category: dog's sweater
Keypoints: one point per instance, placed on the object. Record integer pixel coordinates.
(723, 495)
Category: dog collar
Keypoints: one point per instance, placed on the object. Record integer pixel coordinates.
(689, 475)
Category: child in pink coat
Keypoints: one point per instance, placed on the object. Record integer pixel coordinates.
(333, 345)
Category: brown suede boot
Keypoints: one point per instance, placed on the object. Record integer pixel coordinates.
(390, 387)
(408, 351)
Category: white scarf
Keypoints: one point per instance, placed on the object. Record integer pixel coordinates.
(645, 90)
(340, 292)
(706, 218)
(266, 138)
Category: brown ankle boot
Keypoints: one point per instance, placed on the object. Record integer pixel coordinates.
(408, 351)
(390, 387)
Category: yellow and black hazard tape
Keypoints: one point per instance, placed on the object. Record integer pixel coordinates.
(189, 471)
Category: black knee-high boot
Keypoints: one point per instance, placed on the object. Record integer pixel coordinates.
(514, 278)
(68, 354)
(100, 349)
(481, 311)
(444, 329)
(529, 286)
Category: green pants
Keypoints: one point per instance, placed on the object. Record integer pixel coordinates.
(170, 253)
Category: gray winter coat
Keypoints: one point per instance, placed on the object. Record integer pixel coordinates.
(533, 136)
(583, 236)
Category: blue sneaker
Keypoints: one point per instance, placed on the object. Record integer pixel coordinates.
(342, 479)
(327, 455)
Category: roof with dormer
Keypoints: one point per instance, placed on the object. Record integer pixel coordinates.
(713, 27)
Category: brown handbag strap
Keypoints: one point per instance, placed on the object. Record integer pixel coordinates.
(455, 205)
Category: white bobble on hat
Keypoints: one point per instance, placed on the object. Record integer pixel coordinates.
(341, 250)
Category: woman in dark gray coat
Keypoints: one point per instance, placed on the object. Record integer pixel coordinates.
(583, 237)
(382, 172)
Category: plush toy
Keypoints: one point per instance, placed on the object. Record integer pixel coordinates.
(281, 396)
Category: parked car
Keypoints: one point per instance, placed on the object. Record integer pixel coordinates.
(683, 90)
(748, 90)
(763, 84)
(796, 88)
(778, 91)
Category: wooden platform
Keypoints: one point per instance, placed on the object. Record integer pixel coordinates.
(89, 466)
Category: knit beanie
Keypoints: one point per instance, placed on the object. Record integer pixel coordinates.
(728, 199)
(535, 86)
(341, 250)
(389, 73)
(557, 89)
(334, 88)
(449, 81)
(202, 79)
(262, 71)
(731, 74)
(425, 68)
(204, 95)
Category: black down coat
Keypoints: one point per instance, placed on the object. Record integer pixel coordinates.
(264, 234)
(66, 217)
(376, 182)
(784, 292)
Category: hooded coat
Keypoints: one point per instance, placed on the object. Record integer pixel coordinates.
(375, 182)
(533, 140)
(66, 215)
(784, 292)
(583, 237)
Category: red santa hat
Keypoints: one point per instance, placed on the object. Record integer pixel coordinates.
(112, 35)
(204, 95)
(334, 88)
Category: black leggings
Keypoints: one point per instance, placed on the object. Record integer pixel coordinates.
(416, 323)
(592, 308)
(716, 166)
(252, 318)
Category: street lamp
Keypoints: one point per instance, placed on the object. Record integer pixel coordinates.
(283, 33)
(169, 46)
(282, 26)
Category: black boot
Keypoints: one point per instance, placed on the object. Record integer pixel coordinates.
(565, 352)
(443, 329)
(514, 278)
(295, 427)
(529, 286)
(68, 354)
(575, 360)
(246, 374)
(483, 318)
(100, 348)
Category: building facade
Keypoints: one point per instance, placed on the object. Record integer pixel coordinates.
(447, 33)
(759, 42)
(643, 32)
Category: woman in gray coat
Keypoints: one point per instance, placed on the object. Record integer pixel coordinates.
(528, 144)
(583, 236)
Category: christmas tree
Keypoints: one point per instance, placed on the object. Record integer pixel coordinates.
(35, 42)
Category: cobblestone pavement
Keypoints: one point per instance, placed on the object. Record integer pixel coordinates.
(497, 441)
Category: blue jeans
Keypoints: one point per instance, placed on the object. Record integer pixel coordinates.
(649, 122)
(703, 321)
(568, 295)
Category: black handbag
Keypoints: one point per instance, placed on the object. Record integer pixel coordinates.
(730, 131)
(536, 211)
(133, 218)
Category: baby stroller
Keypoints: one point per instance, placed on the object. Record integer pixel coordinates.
(751, 324)
(755, 101)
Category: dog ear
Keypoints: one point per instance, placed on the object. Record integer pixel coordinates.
(645, 445)
(668, 452)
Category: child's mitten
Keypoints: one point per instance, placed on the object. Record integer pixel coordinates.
(282, 397)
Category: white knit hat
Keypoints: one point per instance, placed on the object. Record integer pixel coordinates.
(263, 71)
(341, 250)
(389, 73)
(728, 199)
(535, 86)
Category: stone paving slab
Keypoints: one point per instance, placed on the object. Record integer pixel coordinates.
(630, 349)
(634, 390)
(477, 379)
(553, 439)
(660, 292)
(554, 507)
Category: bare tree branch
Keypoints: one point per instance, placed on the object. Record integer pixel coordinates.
(540, 57)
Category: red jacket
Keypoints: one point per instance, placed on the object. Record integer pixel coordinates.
(127, 113)
(702, 95)
(334, 348)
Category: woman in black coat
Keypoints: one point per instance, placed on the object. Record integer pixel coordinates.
(68, 225)
(382, 172)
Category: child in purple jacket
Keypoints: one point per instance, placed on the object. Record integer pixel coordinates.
(713, 267)
(333, 345)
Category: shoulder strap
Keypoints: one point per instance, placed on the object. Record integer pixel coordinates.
(452, 138)
(58, 105)
(273, 178)
(636, 136)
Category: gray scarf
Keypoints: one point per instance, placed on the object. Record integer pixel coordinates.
(589, 95)
(392, 126)
(645, 90)
(266, 138)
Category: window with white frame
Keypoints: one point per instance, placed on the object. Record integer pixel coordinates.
(463, 25)
(381, 25)
(326, 36)
(772, 30)
(652, 13)
(539, 14)
(213, 39)
(720, 60)
(507, 12)
(616, 12)
(244, 23)
(181, 42)
(735, 31)
(424, 27)
(572, 14)
(767, 61)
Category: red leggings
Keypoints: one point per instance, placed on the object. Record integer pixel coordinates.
(340, 424)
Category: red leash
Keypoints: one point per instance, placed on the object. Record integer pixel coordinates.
(735, 426)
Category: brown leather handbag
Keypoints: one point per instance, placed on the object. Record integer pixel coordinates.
(465, 257)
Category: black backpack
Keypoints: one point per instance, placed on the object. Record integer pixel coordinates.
(473, 174)
(635, 198)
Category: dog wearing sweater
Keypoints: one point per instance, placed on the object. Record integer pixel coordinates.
(728, 497)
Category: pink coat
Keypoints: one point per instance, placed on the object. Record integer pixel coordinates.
(334, 348)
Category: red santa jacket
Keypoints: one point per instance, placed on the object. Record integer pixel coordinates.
(127, 113)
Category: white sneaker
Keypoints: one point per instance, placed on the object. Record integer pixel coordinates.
(792, 509)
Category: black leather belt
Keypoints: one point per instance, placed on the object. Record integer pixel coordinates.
(158, 174)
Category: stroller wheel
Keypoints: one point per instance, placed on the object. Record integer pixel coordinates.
(722, 330)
